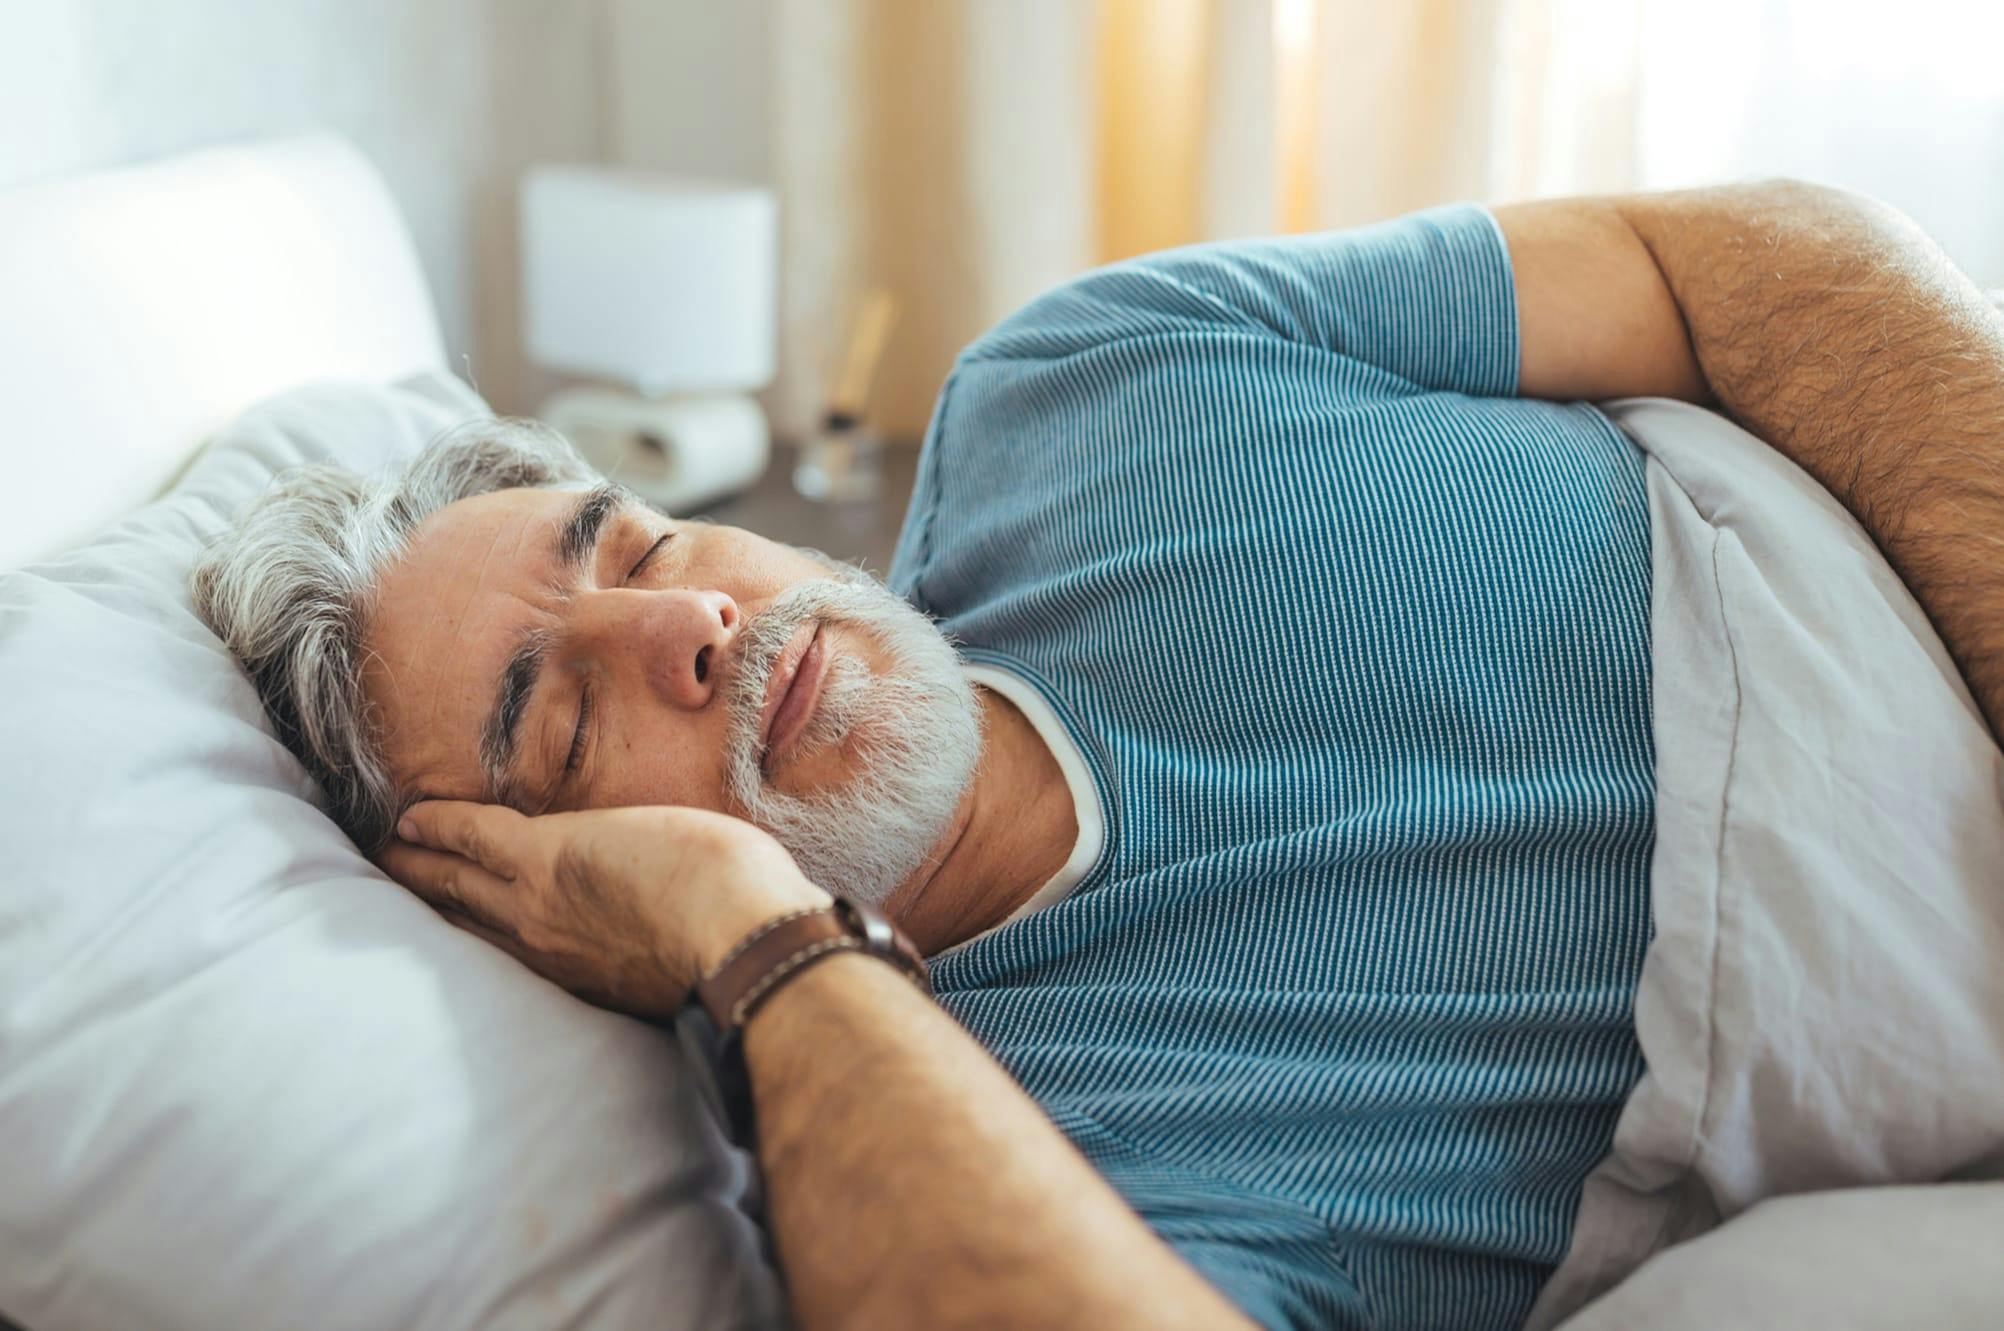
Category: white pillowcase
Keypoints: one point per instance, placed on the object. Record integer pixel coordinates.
(246, 1081)
(1864, 1259)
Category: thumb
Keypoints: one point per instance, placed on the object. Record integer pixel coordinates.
(491, 835)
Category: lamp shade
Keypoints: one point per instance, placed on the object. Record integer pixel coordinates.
(662, 283)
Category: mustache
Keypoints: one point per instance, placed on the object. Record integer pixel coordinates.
(756, 650)
(754, 656)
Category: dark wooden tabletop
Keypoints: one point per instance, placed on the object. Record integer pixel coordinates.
(865, 533)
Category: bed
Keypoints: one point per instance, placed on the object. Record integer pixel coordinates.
(245, 1081)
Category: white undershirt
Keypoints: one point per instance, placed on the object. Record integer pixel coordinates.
(1078, 779)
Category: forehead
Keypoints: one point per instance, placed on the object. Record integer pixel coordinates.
(446, 618)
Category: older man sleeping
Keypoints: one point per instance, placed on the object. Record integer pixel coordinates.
(1255, 734)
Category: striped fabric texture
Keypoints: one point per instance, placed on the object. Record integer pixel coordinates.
(1356, 646)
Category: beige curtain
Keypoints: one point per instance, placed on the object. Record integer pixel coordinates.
(967, 154)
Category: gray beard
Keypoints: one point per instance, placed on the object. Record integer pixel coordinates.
(914, 733)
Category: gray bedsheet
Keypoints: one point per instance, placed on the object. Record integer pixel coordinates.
(1822, 1006)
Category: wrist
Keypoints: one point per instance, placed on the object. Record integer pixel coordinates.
(788, 945)
(745, 911)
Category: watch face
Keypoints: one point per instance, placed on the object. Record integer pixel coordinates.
(879, 935)
(881, 938)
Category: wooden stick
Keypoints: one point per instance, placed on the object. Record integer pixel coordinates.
(864, 353)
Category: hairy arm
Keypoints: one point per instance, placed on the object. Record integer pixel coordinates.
(1827, 324)
(913, 1183)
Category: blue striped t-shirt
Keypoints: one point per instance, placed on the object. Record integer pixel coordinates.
(1355, 644)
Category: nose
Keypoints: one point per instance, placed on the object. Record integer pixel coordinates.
(677, 638)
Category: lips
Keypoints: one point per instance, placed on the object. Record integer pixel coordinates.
(792, 691)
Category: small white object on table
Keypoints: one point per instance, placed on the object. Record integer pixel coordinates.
(663, 286)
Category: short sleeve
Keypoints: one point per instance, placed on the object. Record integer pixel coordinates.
(1428, 297)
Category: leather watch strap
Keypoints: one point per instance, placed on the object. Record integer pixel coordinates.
(785, 947)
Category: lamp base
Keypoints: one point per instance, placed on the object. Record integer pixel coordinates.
(680, 453)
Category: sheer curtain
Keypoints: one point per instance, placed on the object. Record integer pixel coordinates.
(941, 148)
(1903, 100)
(969, 153)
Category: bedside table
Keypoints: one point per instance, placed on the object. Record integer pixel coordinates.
(864, 533)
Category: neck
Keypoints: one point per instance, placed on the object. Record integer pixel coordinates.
(1014, 829)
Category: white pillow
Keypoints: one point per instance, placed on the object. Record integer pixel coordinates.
(1822, 1005)
(1865, 1259)
(245, 1081)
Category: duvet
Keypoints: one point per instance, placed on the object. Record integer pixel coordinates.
(1822, 1005)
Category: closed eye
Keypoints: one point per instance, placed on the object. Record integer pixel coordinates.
(582, 735)
(648, 558)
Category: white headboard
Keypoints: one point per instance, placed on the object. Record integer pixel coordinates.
(142, 308)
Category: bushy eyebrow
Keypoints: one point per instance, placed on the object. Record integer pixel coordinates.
(576, 541)
(579, 535)
(499, 737)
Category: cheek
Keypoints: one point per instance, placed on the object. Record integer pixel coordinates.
(753, 569)
(661, 759)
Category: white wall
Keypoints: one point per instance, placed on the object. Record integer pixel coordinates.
(451, 98)
(689, 86)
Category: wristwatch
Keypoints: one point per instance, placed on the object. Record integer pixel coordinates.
(756, 968)
(775, 954)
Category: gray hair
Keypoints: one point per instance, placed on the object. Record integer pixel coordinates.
(290, 589)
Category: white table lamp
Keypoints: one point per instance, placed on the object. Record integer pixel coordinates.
(665, 287)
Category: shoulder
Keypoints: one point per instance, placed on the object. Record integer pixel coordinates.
(1166, 294)
(1309, 289)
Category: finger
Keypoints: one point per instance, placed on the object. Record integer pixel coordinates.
(488, 834)
(447, 881)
